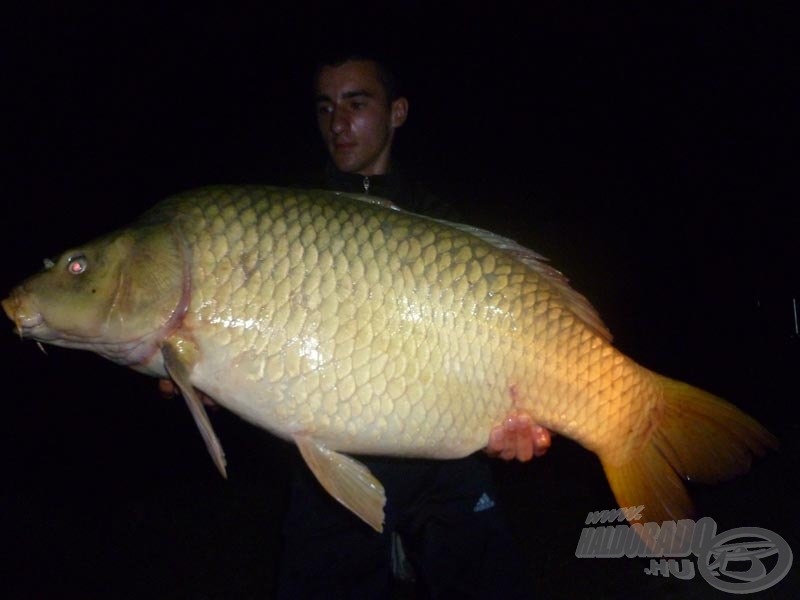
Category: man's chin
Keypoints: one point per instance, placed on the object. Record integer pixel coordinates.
(347, 166)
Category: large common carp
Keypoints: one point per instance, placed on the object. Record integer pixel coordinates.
(348, 326)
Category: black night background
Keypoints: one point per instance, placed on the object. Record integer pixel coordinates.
(650, 153)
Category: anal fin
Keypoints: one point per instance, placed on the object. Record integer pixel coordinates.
(345, 479)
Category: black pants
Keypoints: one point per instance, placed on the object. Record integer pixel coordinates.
(444, 511)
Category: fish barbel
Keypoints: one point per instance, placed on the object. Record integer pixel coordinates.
(347, 326)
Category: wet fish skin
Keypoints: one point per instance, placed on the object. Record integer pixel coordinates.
(347, 326)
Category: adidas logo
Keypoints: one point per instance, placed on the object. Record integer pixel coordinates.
(484, 503)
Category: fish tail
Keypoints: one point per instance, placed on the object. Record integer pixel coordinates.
(694, 436)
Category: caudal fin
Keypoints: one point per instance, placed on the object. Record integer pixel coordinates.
(697, 437)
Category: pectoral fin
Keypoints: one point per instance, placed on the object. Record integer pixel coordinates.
(345, 479)
(178, 359)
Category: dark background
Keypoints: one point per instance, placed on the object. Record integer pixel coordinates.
(650, 153)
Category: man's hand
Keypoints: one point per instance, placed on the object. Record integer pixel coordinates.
(168, 389)
(518, 438)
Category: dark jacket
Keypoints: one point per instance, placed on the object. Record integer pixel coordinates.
(407, 193)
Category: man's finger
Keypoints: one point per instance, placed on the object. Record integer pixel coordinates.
(166, 388)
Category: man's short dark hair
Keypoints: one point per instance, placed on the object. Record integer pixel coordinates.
(386, 75)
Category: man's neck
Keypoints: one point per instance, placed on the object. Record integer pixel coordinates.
(356, 182)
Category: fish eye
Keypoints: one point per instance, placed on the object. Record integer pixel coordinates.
(76, 264)
(48, 263)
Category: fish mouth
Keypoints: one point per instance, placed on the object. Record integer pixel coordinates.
(30, 322)
(10, 306)
(24, 319)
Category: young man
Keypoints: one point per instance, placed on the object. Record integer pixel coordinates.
(444, 511)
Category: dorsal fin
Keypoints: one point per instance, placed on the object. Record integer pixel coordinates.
(369, 199)
(574, 300)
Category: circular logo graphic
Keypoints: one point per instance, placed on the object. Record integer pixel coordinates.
(733, 560)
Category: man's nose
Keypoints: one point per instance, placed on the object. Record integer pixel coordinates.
(338, 121)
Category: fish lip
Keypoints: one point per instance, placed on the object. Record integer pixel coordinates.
(34, 327)
(25, 321)
(10, 307)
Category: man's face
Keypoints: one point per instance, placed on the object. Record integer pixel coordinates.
(355, 118)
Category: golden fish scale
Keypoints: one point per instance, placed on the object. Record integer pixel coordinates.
(380, 331)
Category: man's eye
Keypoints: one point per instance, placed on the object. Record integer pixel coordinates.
(324, 109)
(357, 105)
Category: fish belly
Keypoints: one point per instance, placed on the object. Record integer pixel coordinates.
(369, 411)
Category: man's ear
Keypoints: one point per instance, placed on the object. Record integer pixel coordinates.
(399, 111)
